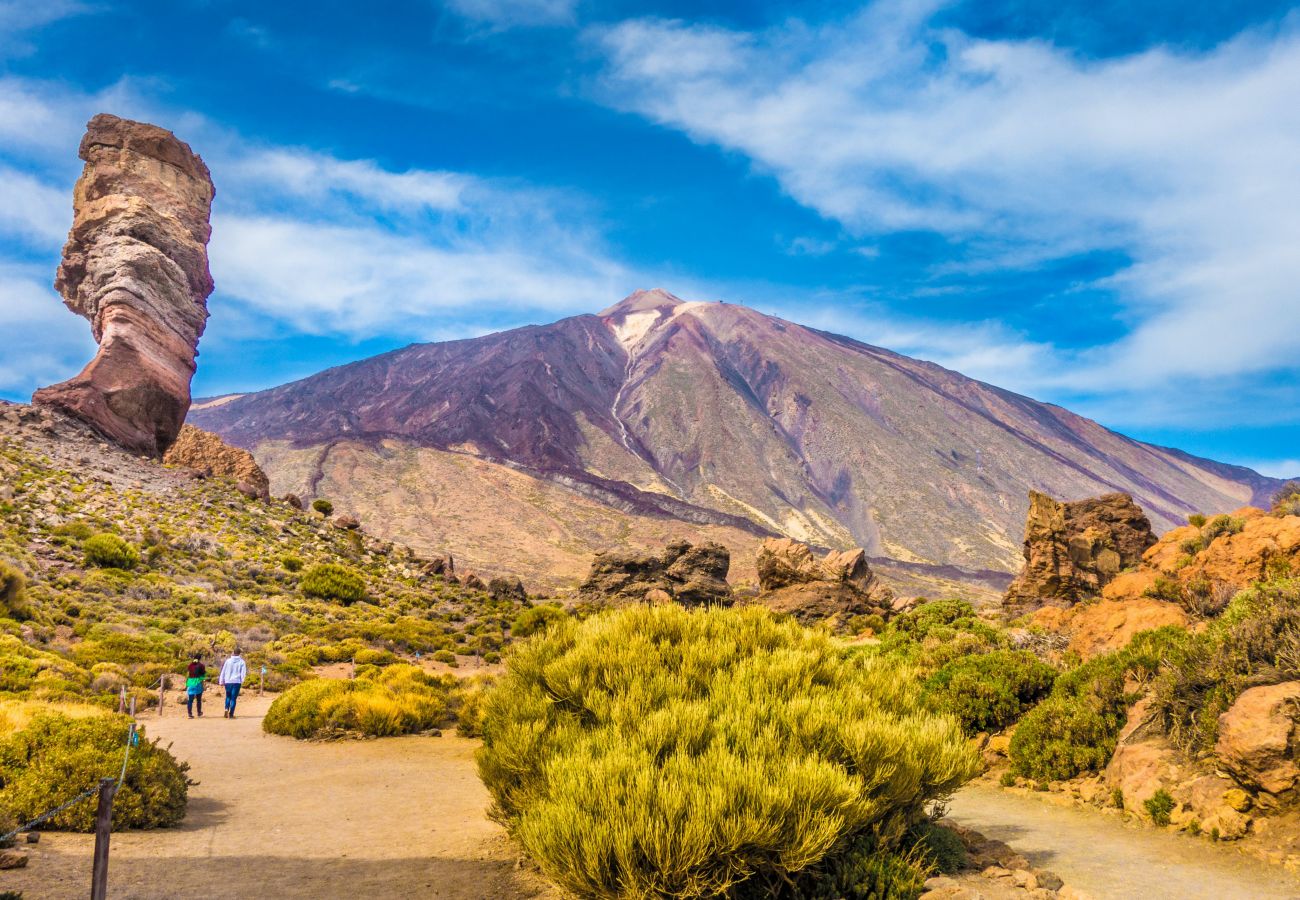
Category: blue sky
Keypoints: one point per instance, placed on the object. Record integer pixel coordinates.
(1097, 204)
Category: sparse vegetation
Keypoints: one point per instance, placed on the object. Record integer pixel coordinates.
(1076, 728)
(1159, 806)
(13, 592)
(397, 699)
(618, 747)
(108, 551)
(54, 756)
(333, 581)
(323, 506)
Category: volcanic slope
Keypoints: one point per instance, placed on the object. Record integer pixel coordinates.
(659, 417)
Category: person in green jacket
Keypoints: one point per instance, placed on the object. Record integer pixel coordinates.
(195, 677)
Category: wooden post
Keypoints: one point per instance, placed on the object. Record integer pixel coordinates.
(133, 706)
(103, 825)
(121, 700)
(261, 677)
(162, 693)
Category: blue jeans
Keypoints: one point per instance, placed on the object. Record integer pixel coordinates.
(191, 699)
(232, 694)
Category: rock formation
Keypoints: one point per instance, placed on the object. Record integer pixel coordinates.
(1259, 742)
(136, 266)
(690, 574)
(204, 452)
(1072, 550)
(838, 586)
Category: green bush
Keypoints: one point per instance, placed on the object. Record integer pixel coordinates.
(332, 581)
(398, 699)
(1159, 806)
(989, 691)
(291, 563)
(13, 592)
(535, 619)
(863, 870)
(323, 506)
(55, 757)
(655, 751)
(1258, 635)
(108, 551)
(467, 701)
(941, 847)
(1077, 727)
(1286, 502)
(445, 656)
(936, 633)
(1196, 520)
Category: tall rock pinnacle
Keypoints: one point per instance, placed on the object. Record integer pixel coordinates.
(136, 266)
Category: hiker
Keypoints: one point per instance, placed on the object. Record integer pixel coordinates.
(195, 677)
(232, 679)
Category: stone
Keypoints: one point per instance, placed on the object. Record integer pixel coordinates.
(1049, 880)
(207, 454)
(1107, 625)
(1259, 742)
(1072, 550)
(293, 500)
(13, 859)
(690, 574)
(996, 872)
(1024, 878)
(347, 522)
(839, 586)
(940, 883)
(136, 265)
(33, 837)
(507, 588)
(1069, 893)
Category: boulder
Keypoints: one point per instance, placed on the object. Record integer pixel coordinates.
(13, 859)
(838, 586)
(507, 588)
(136, 265)
(691, 574)
(1072, 550)
(347, 522)
(209, 455)
(1108, 625)
(1259, 742)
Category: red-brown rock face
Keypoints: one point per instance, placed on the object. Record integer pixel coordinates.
(1073, 550)
(136, 266)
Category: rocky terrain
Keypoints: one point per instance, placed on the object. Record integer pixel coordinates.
(209, 455)
(595, 431)
(136, 266)
(1073, 550)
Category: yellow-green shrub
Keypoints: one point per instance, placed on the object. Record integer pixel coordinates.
(332, 581)
(989, 691)
(13, 592)
(397, 699)
(655, 751)
(54, 757)
(108, 551)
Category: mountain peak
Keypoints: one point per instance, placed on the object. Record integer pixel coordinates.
(652, 300)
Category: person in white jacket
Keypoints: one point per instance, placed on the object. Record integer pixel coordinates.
(233, 672)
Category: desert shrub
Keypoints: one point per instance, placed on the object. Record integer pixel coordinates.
(372, 657)
(656, 751)
(1159, 806)
(323, 506)
(936, 633)
(445, 656)
(989, 691)
(55, 757)
(332, 581)
(1286, 502)
(13, 592)
(108, 551)
(1222, 525)
(862, 870)
(397, 699)
(535, 619)
(71, 532)
(941, 847)
(291, 563)
(1077, 727)
(1196, 520)
(1258, 635)
(467, 704)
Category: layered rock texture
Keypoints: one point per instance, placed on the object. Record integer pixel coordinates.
(1073, 550)
(658, 418)
(688, 574)
(1259, 742)
(136, 266)
(209, 455)
(840, 585)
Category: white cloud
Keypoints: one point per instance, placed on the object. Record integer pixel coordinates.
(1278, 468)
(1185, 161)
(40, 341)
(34, 211)
(503, 14)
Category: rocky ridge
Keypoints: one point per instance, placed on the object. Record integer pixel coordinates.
(136, 266)
(205, 453)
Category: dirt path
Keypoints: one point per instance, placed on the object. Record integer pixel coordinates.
(1098, 854)
(275, 817)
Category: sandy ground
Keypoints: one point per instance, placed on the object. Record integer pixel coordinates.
(275, 817)
(1097, 854)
